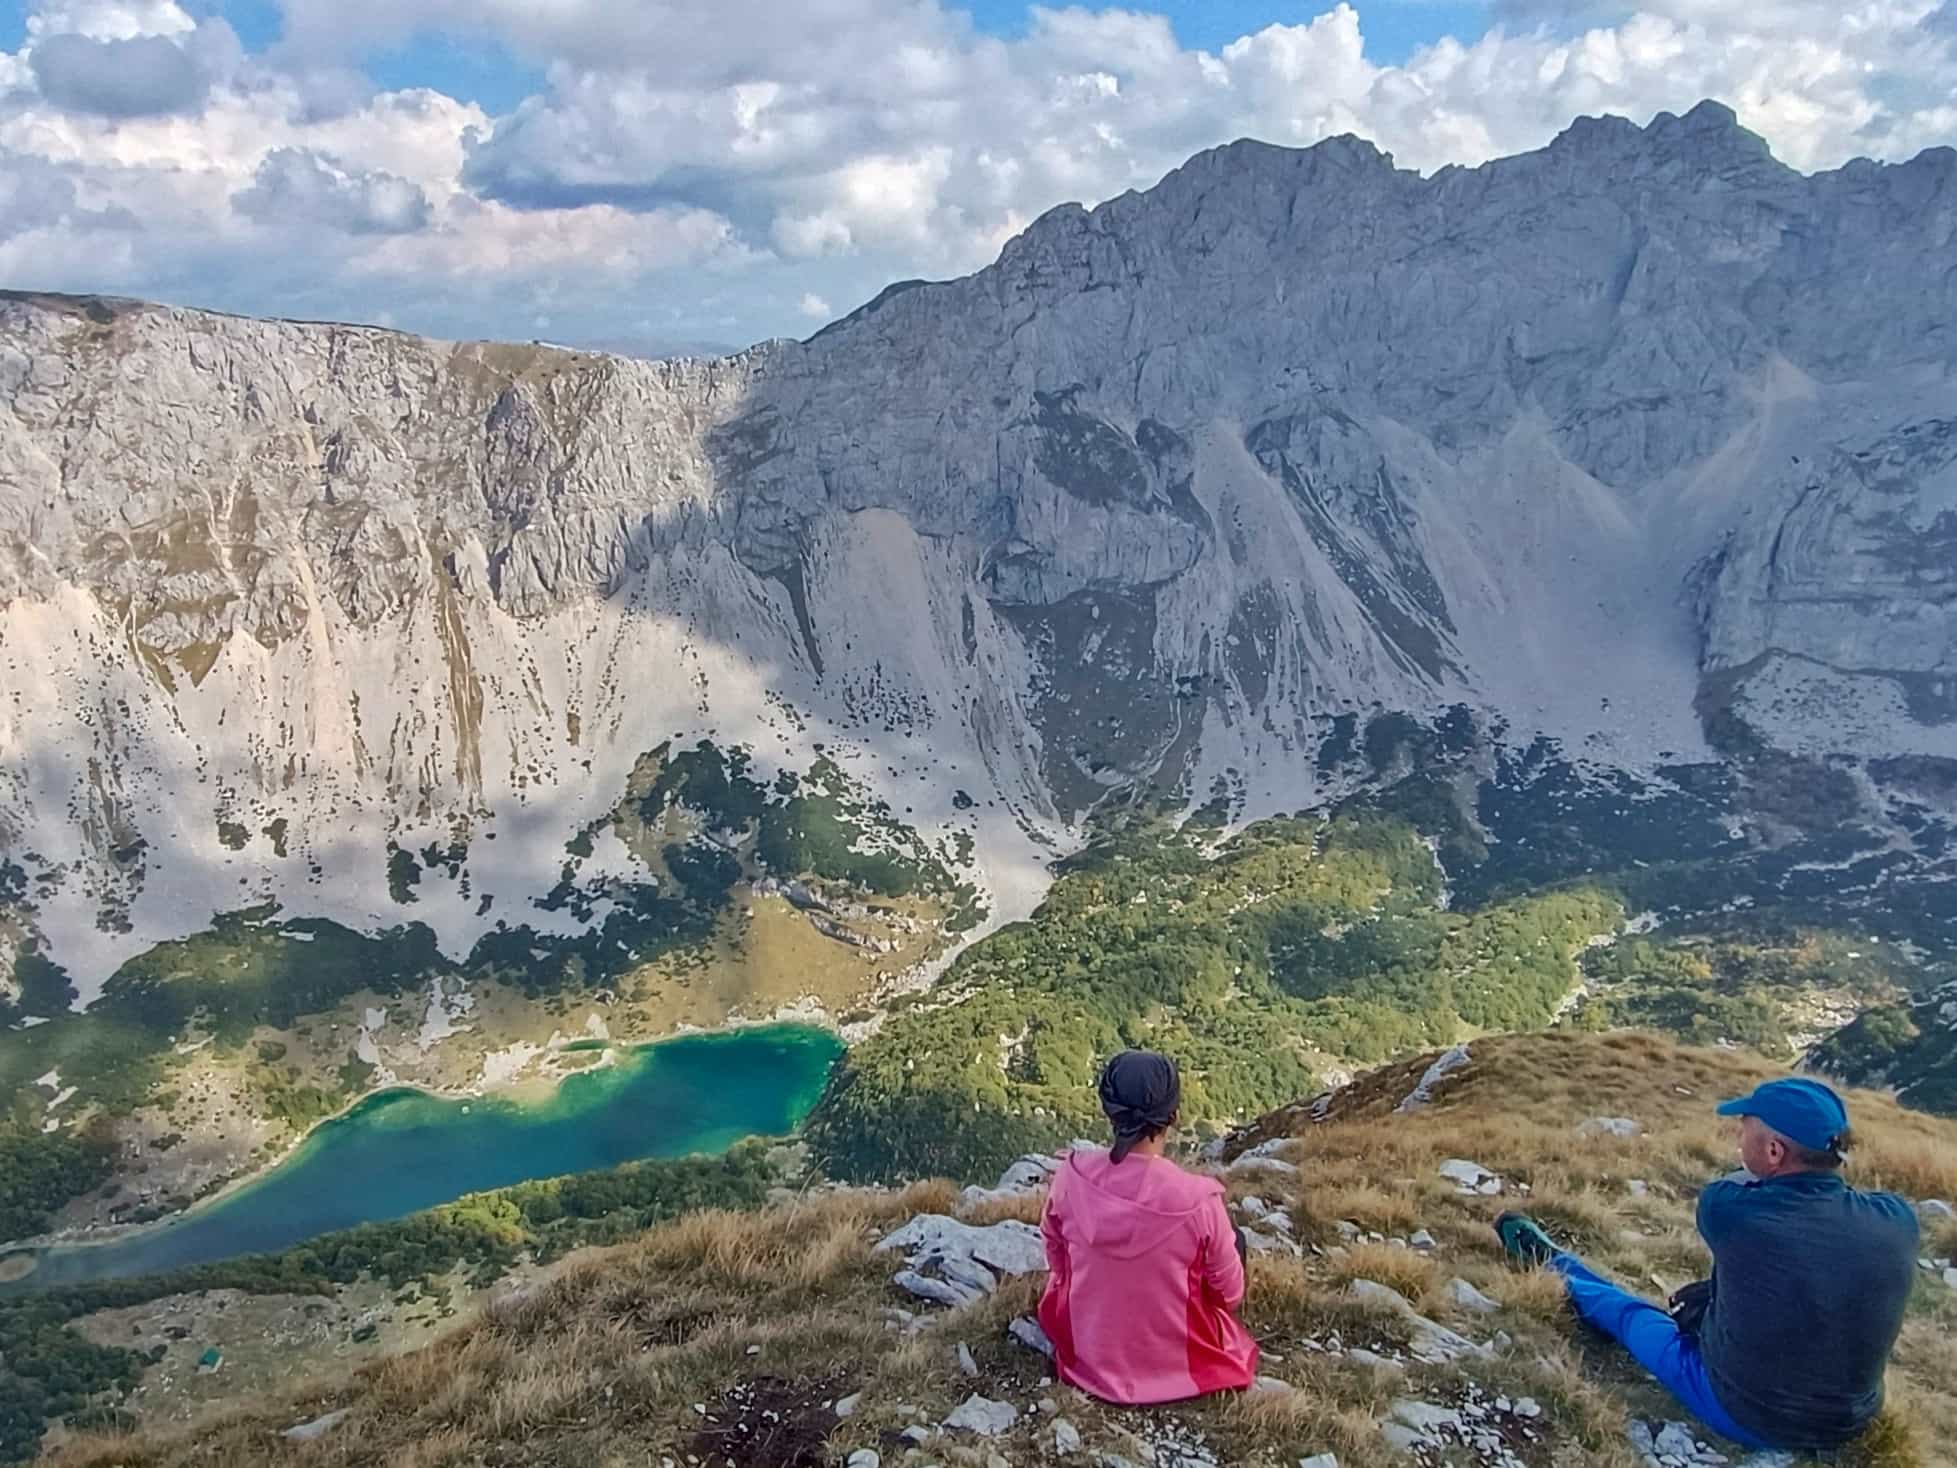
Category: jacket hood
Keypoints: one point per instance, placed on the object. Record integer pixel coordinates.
(1131, 1207)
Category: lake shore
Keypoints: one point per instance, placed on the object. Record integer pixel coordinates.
(525, 1100)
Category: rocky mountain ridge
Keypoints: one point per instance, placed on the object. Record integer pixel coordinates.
(1637, 437)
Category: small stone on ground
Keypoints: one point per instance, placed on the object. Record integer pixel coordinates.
(983, 1416)
(305, 1432)
(1029, 1333)
(1471, 1177)
(1469, 1298)
(1611, 1126)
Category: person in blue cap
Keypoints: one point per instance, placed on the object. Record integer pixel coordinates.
(1785, 1346)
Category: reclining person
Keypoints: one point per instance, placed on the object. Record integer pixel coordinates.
(1785, 1346)
(1147, 1270)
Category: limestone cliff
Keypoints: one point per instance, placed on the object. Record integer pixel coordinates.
(1599, 440)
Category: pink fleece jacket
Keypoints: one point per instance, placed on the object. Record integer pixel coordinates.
(1146, 1281)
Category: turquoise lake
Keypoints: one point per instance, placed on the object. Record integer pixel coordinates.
(398, 1152)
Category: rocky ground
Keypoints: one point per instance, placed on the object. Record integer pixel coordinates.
(876, 1327)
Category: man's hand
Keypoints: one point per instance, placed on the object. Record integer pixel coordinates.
(1689, 1304)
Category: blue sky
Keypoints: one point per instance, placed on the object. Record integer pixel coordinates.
(1393, 30)
(656, 175)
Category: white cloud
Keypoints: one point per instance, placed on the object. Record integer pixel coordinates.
(975, 135)
(718, 170)
(40, 197)
(298, 188)
(108, 20)
(142, 76)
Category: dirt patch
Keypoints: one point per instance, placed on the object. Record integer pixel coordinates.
(769, 1423)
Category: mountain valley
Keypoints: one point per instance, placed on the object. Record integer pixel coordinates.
(1302, 615)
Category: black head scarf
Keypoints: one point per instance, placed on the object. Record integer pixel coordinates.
(1140, 1092)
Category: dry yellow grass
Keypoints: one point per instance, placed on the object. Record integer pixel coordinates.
(605, 1365)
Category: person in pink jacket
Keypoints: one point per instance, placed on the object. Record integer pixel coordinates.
(1147, 1269)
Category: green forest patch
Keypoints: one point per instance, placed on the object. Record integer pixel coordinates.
(1296, 940)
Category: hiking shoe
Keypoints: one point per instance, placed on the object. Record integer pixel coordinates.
(1524, 1240)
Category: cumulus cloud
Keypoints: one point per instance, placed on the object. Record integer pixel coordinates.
(299, 188)
(954, 141)
(37, 196)
(814, 307)
(143, 76)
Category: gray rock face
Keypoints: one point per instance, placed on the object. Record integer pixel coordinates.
(954, 1263)
(1431, 1342)
(1469, 1298)
(1422, 1094)
(1165, 491)
(1025, 1176)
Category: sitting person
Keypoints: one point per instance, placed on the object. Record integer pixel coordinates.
(1785, 1346)
(1147, 1270)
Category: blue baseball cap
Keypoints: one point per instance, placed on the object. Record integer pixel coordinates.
(1803, 1110)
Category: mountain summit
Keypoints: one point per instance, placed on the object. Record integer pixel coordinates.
(1636, 439)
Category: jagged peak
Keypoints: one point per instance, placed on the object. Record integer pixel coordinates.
(1707, 115)
(1347, 155)
(1342, 148)
(1710, 129)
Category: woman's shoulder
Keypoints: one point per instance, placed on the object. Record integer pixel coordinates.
(1195, 1188)
(1167, 1184)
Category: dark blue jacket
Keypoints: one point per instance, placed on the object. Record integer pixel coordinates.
(1810, 1279)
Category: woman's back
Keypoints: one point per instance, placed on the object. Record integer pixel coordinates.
(1146, 1279)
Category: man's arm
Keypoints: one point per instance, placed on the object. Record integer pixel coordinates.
(1721, 1207)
